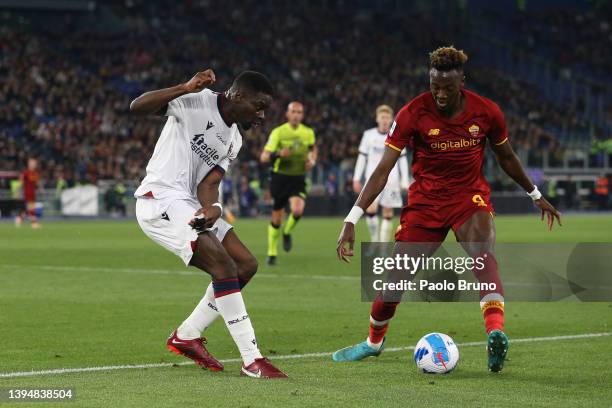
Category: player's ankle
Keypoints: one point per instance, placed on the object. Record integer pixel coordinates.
(250, 357)
(186, 332)
(375, 346)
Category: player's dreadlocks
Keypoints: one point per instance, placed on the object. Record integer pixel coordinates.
(447, 59)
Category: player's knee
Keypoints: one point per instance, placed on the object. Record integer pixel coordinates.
(297, 213)
(277, 217)
(248, 268)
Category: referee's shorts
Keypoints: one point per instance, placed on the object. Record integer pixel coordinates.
(283, 186)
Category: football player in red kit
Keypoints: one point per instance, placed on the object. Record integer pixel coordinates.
(447, 129)
(29, 182)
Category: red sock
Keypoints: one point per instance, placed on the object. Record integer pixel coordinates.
(380, 315)
(493, 317)
(377, 333)
(491, 301)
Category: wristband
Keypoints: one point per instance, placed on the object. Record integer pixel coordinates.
(354, 215)
(218, 205)
(535, 194)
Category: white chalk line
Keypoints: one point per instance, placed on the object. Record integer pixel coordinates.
(60, 371)
(68, 268)
(169, 272)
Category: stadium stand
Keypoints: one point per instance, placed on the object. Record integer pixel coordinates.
(66, 79)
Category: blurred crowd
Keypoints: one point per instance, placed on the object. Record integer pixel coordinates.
(562, 30)
(65, 93)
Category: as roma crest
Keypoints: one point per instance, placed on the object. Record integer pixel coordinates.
(474, 129)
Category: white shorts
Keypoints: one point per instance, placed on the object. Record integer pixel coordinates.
(166, 222)
(390, 197)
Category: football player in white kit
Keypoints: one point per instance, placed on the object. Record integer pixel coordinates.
(178, 204)
(371, 149)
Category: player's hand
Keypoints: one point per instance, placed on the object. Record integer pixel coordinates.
(551, 212)
(347, 237)
(200, 81)
(284, 152)
(210, 216)
(357, 186)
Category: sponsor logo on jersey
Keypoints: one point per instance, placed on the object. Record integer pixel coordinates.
(474, 129)
(209, 154)
(220, 138)
(454, 144)
(433, 132)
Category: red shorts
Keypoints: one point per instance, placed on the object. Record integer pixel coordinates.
(29, 195)
(426, 219)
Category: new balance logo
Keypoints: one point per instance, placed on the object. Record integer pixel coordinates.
(209, 125)
(164, 216)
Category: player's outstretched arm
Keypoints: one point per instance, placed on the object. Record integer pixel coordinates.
(371, 190)
(510, 163)
(208, 196)
(155, 102)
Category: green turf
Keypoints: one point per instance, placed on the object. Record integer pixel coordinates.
(80, 294)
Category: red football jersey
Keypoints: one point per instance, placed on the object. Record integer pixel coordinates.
(30, 183)
(448, 154)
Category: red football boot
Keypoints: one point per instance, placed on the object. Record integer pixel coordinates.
(262, 368)
(195, 350)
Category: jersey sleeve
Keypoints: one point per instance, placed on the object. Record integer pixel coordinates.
(310, 141)
(183, 105)
(363, 145)
(402, 130)
(273, 141)
(499, 130)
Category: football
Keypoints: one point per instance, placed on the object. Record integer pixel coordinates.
(436, 353)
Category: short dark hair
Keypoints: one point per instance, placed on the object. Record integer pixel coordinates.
(253, 82)
(447, 59)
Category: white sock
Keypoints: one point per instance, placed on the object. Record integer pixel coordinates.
(386, 226)
(238, 323)
(201, 318)
(372, 221)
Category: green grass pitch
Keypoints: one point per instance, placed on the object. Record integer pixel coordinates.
(92, 294)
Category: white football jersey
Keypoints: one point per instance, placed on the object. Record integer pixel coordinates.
(194, 140)
(373, 146)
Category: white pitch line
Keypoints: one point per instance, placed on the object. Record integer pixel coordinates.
(60, 371)
(170, 272)
(259, 275)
